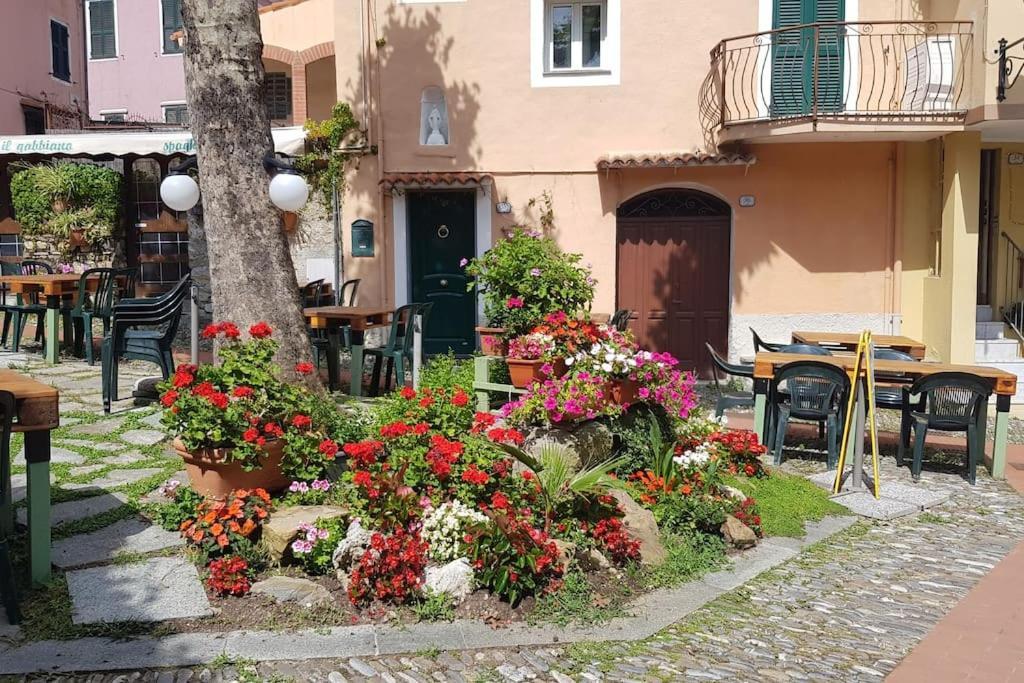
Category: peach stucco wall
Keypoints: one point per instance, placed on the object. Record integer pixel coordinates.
(25, 62)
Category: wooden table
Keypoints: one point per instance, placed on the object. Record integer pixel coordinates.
(358, 319)
(37, 407)
(54, 287)
(848, 342)
(1004, 386)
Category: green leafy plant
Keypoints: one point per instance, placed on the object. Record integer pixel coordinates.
(184, 501)
(61, 197)
(434, 607)
(316, 543)
(324, 163)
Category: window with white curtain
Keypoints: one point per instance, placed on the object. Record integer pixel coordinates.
(575, 35)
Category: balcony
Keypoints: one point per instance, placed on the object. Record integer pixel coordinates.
(889, 80)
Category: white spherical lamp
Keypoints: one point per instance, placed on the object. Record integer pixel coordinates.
(179, 192)
(289, 191)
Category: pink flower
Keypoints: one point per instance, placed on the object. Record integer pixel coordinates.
(535, 272)
(463, 263)
(514, 302)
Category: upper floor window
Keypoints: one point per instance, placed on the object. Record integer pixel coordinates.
(102, 33)
(278, 96)
(575, 33)
(170, 18)
(176, 113)
(575, 42)
(60, 51)
(114, 116)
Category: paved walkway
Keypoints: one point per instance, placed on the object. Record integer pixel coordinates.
(849, 609)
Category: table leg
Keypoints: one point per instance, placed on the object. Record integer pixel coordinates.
(760, 403)
(37, 455)
(52, 351)
(333, 358)
(999, 448)
(356, 368)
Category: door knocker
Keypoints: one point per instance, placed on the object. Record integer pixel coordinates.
(443, 232)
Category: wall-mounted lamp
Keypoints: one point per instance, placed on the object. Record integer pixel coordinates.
(288, 190)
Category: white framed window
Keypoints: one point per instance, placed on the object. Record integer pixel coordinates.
(175, 112)
(101, 21)
(575, 42)
(113, 115)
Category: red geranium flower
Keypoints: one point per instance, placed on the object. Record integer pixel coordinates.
(304, 368)
(169, 398)
(329, 449)
(301, 421)
(260, 330)
(460, 398)
(408, 393)
(242, 392)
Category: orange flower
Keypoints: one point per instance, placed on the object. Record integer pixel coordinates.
(210, 517)
(217, 529)
(234, 526)
(248, 527)
(263, 495)
(686, 489)
(261, 513)
(184, 525)
(222, 540)
(197, 534)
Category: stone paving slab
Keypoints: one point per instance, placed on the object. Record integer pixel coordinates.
(115, 478)
(126, 536)
(157, 589)
(124, 458)
(866, 505)
(95, 445)
(153, 420)
(143, 437)
(896, 498)
(19, 486)
(82, 470)
(72, 510)
(101, 428)
(58, 454)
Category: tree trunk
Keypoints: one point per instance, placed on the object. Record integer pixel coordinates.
(251, 273)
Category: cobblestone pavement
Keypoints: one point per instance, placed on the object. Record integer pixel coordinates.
(848, 609)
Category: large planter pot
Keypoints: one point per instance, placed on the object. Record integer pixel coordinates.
(214, 477)
(623, 391)
(77, 240)
(525, 372)
(492, 342)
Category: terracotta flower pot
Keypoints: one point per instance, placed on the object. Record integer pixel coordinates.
(624, 391)
(211, 476)
(524, 372)
(559, 368)
(492, 342)
(77, 239)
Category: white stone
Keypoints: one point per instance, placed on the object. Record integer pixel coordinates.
(291, 589)
(58, 454)
(454, 578)
(350, 548)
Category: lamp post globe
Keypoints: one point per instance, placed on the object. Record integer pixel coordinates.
(179, 192)
(289, 191)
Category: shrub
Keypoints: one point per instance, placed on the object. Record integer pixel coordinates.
(444, 528)
(229, 576)
(525, 276)
(562, 400)
(184, 501)
(512, 558)
(632, 434)
(391, 569)
(446, 371)
(615, 541)
(56, 198)
(217, 525)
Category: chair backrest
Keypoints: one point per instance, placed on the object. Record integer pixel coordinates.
(6, 427)
(893, 354)
(425, 311)
(720, 365)
(103, 296)
(7, 268)
(761, 344)
(157, 310)
(953, 399)
(400, 322)
(126, 279)
(620, 319)
(312, 292)
(814, 387)
(808, 349)
(347, 293)
(36, 268)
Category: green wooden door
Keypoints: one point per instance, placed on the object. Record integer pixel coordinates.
(795, 51)
(442, 229)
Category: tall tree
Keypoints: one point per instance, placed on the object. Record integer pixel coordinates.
(251, 272)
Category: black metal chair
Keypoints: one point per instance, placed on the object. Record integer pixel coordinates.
(32, 305)
(142, 329)
(620, 319)
(8, 590)
(954, 402)
(347, 293)
(729, 399)
(762, 345)
(809, 390)
(312, 292)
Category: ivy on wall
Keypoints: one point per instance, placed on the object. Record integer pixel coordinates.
(63, 198)
(324, 165)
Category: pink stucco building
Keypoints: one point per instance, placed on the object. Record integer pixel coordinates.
(42, 65)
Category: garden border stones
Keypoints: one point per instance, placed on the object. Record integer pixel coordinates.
(652, 612)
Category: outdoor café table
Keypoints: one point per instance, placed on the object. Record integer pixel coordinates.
(1004, 386)
(359, 319)
(53, 286)
(37, 412)
(848, 342)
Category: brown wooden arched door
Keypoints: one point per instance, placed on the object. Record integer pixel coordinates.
(673, 272)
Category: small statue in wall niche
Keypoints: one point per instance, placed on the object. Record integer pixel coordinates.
(434, 121)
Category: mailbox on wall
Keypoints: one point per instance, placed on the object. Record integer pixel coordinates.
(362, 237)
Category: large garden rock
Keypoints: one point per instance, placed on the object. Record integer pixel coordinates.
(454, 578)
(283, 527)
(592, 442)
(566, 552)
(292, 589)
(351, 548)
(639, 522)
(738, 534)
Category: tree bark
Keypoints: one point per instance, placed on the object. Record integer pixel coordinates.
(252, 277)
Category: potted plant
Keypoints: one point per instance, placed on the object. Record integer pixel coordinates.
(524, 277)
(237, 425)
(527, 357)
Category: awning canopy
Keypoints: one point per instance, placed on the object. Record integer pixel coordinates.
(422, 179)
(289, 141)
(672, 160)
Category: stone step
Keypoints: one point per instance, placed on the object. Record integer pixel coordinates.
(989, 330)
(996, 349)
(983, 314)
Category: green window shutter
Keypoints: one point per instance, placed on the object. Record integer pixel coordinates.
(60, 53)
(171, 17)
(795, 53)
(101, 29)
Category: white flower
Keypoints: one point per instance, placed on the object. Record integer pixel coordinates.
(443, 528)
(607, 367)
(570, 360)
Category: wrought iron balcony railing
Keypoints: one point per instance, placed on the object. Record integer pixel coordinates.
(887, 69)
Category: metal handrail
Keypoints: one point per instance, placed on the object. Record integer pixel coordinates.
(1013, 287)
(840, 69)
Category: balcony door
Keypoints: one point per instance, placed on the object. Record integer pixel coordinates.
(800, 54)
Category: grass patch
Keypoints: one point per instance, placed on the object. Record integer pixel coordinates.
(576, 602)
(785, 502)
(435, 607)
(689, 558)
(932, 518)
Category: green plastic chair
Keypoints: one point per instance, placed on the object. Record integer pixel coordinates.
(954, 402)
(727, 399)
(813, 391)
(8, 590)
(397, 349)
(23, 309)
(89, 307)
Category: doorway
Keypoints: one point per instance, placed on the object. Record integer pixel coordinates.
(673, 273)
(442, 227)
(988, 225)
